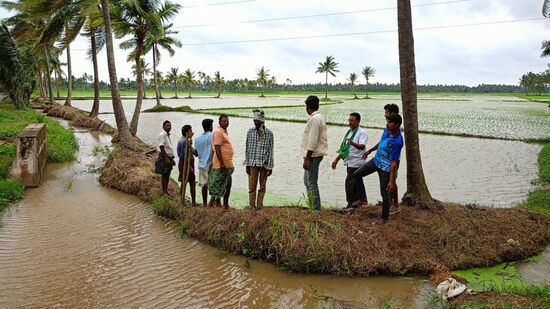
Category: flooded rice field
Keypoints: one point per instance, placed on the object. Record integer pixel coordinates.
(459, 169)
(92, 247)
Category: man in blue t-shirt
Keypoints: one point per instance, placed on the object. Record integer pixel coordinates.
(384, 163)
(203, 145)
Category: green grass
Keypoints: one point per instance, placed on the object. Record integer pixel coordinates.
(501, 276)
(544, 164)
(10, 191)
(62, 146)
(539, 199)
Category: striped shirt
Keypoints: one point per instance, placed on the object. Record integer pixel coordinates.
(259, 148)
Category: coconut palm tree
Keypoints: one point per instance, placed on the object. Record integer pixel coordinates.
(367, 72)
(164, 40)
(417, 190)
(188, 80)
(174, 78)
(124, 133)
(140, 19)
(16, 69)
(262, 78)
(329, 66)
(352, 79)
(545, 44)
(218, 82)
(95, 30)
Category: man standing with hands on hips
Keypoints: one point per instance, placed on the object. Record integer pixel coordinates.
(314, 148)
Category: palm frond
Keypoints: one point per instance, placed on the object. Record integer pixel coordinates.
(546, 8)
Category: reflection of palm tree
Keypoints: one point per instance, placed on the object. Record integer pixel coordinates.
(352, 79)
(218, 81)
(417, 190)
(173, 77)
(262, 79)
(164, 40)
(367, 72)
(327, 67)
(188, 80)
(120, 118)
(140, 19)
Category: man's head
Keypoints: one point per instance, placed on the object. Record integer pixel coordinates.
(207, 125)
(391, 109)
(354, 120)
(393, 122)
(258, 117)
(186, 129)
(223, 121)
(312, 104)
(167, 126)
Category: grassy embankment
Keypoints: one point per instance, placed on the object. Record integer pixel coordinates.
(62, 146)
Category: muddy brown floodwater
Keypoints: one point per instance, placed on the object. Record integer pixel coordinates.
(90, 246)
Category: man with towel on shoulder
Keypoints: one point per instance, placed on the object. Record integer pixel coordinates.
(352, 150)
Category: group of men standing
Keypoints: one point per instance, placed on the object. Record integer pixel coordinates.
(215, 152)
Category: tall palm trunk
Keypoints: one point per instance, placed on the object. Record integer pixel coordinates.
(48, 75)
(176, 89)
(417, 190)
(140, 89)
(157, 91)
(56, 84)
(122, 125)
(69, 77)
(95, 107)
(40, 83)
(326, 85)
(367, 90)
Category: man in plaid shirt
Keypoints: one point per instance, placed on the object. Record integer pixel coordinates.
(258, 159)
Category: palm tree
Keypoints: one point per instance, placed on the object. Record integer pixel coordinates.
(140, 19)
(218, 82)
(188, 80)
(367, 72)
(124, 133)
(164, 40)
(262, 78)
(95, 30)
(27, 27)
(545, 44)
(16, 69)
(352, 79)
(417, 190)
(327, 67)
(173, 77)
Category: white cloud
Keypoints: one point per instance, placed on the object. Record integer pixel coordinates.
(497, 53)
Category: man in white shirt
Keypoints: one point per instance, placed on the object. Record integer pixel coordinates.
(352, 150)
(165, 161)
(314, 147)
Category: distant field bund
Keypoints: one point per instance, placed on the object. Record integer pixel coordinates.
(182, 94)
(487, 116)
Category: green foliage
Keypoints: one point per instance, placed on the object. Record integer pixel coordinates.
(540, 200)
(62, 144)
(162, 207)
(501, 276)
(7, 153)
(16, 69)
(10, 191)
(544, 163)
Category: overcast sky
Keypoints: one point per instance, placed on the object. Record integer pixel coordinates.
(497, 53)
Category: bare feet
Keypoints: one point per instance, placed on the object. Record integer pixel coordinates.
(359, 203)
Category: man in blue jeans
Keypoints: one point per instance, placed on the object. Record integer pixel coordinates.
(384, 163)
(314, 147)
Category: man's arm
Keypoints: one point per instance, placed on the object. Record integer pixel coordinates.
(270, 157)
(391, 185)
(335, 162)
(312, 141)
(368, 152)
(218, 149)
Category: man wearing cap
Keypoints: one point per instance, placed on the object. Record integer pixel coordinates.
(314, 148)
(258, 159)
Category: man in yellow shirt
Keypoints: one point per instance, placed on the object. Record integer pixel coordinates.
(314, 148)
